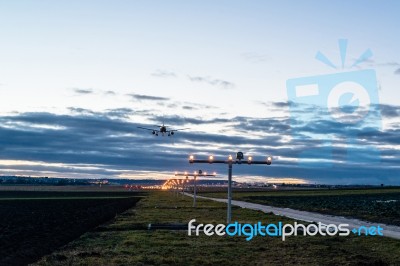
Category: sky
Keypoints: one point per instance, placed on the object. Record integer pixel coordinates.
(78, 77)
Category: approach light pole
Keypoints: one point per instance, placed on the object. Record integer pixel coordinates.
(184, 181)
(230, 162)
(195, 175)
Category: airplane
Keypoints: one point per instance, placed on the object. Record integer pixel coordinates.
(163, 130)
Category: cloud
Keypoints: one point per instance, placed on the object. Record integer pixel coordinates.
(119, 112)
(214, 82)
(110, 92)
(276, 104)
(108, 143)
(389, 111)
(140, 97)
(83, 91)
(397, 72)
(176, 120)
(281, 104)
(198, 106)
(163, 74)
(80, 110)
(115, 113)
(388, 64)
(271, 125)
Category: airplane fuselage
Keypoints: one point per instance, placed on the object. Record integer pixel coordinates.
(163, 129)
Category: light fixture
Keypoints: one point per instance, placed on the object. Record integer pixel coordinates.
(230, 162)
(239, 156)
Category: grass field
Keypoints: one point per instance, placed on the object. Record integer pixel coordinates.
(375, 205)
(33, 224)
(77, 188)
(126, 241)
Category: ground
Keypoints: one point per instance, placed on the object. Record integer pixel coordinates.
(34, 223)
(126, 241)
(375, 205)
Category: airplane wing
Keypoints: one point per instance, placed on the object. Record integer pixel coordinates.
(147, 128)
(177, 129)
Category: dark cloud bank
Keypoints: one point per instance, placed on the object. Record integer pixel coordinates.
(112, 142)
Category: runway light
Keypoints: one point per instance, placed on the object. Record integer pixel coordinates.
(230, 158)
(185, 173)
(191, 158)
(211, 158)
(249, 159)
(215, 173)
(269, 160)
(205, 173)
(195, 173)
